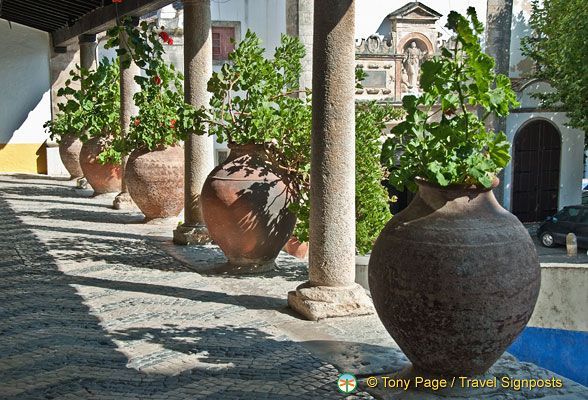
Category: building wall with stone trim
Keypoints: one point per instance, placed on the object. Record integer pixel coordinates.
(24, 99)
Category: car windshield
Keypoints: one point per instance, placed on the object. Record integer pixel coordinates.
(567, 214)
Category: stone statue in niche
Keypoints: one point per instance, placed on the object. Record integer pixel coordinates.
(413, 57)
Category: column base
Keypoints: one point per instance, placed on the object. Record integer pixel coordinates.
(319, 302)
(191, 234)
(123, 201)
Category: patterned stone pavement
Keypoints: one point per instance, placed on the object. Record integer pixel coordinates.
(95, 304)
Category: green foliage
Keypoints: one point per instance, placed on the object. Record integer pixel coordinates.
(163, 118)
(560, 49)
(454, 148)
(64, 123)
(93, 109)
(372, 209)
(264, 110)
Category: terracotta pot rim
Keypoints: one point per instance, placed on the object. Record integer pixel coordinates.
(457, 186)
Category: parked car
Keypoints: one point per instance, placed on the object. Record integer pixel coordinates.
(572, 219)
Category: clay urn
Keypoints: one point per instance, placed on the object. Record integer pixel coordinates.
(155, 181)
(103, 178)
(296, 248)
(69, 151)
(454, 278)
(245, 208)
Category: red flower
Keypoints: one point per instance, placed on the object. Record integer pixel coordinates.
(450, 111)
(172, 123)
(170, 41)
(164, 36)
(137, 122)
(157, 80)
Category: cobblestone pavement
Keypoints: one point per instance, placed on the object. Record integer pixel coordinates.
(97, 305)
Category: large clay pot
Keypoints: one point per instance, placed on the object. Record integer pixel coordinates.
(155, 181)
(69, 151)
(245, 208)
(103, 178)
(454, 278)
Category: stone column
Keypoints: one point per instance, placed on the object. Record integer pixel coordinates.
(63, 60)
(331, 290)
(198, 149)
(87, 60)
(128, 87)
(88, 51)
(498, 28)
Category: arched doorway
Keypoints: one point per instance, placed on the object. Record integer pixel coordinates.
(537, 150)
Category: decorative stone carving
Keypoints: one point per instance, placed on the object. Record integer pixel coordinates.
(374, 45)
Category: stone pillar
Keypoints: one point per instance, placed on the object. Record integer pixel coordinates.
(88, 51)
(498, 28)
(63, 60)
(87, 60)
(198, 149)
(128, 87)
(331, 290)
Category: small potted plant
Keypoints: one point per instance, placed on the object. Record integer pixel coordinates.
(246, 199)
(154, 172)
(454, 277)
(93, 111)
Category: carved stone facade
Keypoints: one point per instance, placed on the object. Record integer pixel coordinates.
(393, 61)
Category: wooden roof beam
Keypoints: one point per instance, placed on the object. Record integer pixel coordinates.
(104, 18)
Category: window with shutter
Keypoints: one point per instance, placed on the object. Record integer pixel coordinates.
(221, 42)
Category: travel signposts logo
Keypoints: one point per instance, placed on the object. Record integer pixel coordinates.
(347, 383)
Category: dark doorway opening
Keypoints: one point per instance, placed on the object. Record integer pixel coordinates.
(537, 152)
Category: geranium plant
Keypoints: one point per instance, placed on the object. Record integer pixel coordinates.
(442, 139)
(163, 118)
(254, 101)
(92, 109)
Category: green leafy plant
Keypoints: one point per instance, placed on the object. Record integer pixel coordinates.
(372, 208)
(63, 124)
(454, 147)
(93, 108)
(559, 47)
(163, 119)
(253, 102)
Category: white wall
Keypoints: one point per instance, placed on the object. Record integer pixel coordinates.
(24, 78)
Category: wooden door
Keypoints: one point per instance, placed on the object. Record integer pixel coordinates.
(537, 150)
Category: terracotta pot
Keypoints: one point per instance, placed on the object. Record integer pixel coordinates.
(155, 181)
(245, 208)
(69, 151)
(454, 278)
(103, 178)
(295, 248)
